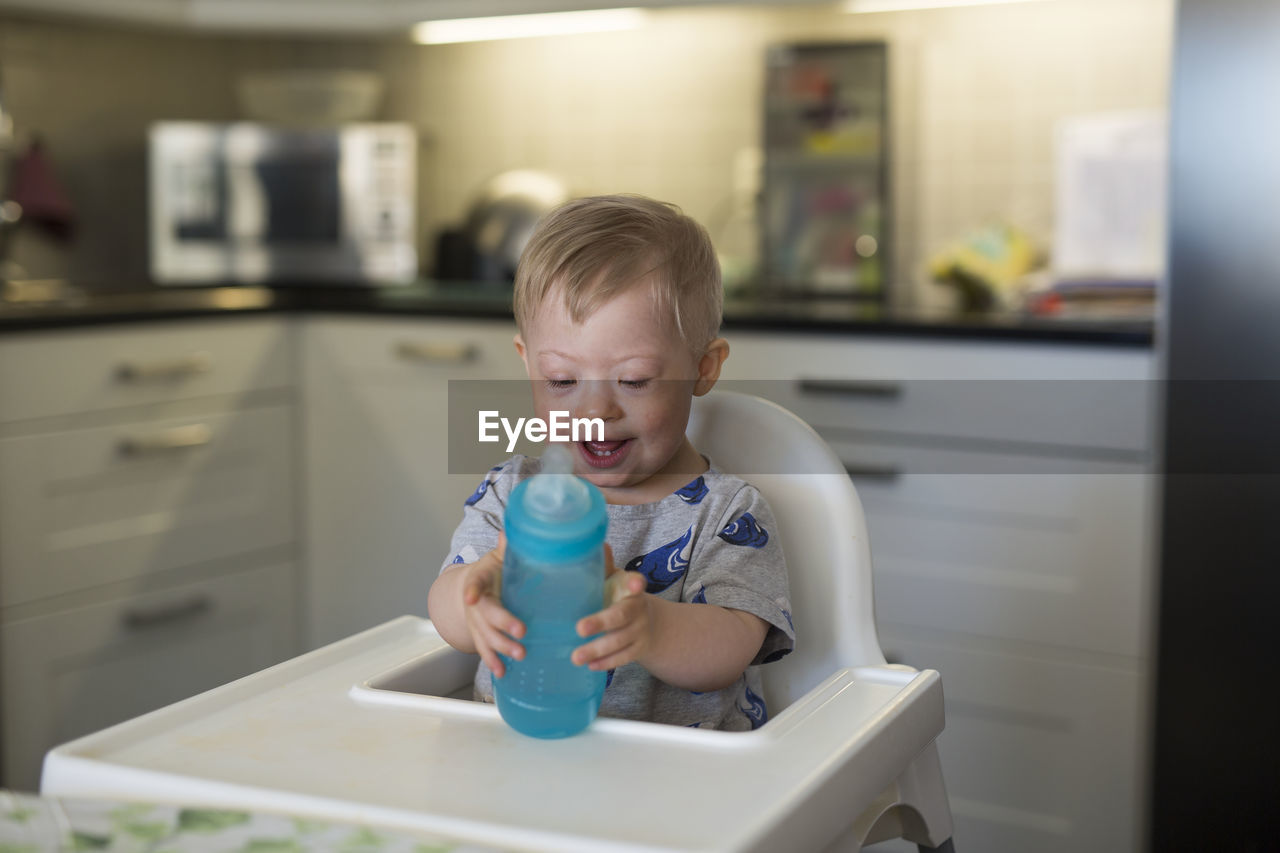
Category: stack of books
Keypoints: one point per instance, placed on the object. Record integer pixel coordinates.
(1094, 299)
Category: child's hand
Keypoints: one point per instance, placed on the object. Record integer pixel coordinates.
(626, 621)
(491, 625)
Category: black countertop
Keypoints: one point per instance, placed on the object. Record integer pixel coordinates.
(85, 307)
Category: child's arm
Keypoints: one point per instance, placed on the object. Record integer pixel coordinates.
(464, 607)
(699, 647)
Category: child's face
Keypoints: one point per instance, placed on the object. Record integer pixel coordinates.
(635, 373)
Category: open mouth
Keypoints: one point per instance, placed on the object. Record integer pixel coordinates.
(604, 454)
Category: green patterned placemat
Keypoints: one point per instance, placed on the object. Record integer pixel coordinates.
(34, 824)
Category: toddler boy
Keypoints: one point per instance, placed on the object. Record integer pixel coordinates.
(618, 304)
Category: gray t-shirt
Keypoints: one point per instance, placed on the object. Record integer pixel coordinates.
(711, 542)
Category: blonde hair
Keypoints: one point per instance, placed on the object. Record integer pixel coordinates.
(595, 248)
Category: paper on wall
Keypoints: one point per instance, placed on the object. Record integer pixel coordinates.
(1110, 197)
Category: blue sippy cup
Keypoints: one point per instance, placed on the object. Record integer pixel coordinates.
(552, 576)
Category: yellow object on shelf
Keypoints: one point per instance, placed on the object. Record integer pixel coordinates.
(986, 265)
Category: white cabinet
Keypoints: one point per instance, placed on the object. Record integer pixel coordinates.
(84, 507)
(1009, 500)
(149, 530)
(147, 520)
(381, 503)
(74, 671)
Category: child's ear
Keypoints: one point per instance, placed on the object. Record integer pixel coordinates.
(709, 366)
(523, 353)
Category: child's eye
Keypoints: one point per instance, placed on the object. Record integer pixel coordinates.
(634, 383)
(561, 384)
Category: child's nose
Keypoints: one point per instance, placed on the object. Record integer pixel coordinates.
(598, 400)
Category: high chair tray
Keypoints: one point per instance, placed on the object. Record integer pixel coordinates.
(346, 733)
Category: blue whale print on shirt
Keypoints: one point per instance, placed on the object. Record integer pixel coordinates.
(700, 597)
(665, 564)
(745, 531)
(693, 493)
(478, 493)
(482, 488)
(755, 710)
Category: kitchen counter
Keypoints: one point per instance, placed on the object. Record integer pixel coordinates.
(83, 307)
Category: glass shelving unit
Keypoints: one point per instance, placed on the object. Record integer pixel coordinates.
(825, 209)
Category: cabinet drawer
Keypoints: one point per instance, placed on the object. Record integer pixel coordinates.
(1012, 395)
(77, 671)
(777, 356)
(87, 507)
(1061, 416)
(1007, 547)
(1038, 754)
(396, 351)
(73, 371)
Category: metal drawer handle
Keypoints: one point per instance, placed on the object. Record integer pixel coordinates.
(851, 388)
(168, 369)
(144, 618)
(872, 471)
(164, 441)
(434, 352)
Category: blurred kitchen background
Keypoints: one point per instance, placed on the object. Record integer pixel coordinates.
(965, 109)
(943, 233)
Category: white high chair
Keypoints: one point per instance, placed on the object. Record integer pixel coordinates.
(824, 537)
(371, 730)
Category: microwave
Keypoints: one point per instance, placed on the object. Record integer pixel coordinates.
(251, 203)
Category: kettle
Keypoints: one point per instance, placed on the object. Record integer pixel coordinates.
(499, 223)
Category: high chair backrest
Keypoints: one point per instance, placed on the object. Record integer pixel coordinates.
(823, 532)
